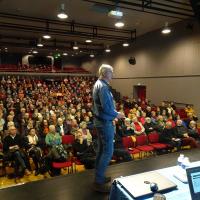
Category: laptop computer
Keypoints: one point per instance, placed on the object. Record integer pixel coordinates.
(193, 175)
(136, 185)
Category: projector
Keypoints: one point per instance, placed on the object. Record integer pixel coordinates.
(116, 14)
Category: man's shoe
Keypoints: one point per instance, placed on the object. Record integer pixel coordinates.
(101, 188)
(27, 172)
(37, 172)
(107, 179)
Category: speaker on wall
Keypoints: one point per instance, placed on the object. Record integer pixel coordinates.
(132, 61)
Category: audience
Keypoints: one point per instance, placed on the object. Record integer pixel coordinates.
(43, 111)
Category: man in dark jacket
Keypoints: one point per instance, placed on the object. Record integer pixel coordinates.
(169, 136)
(13, 145)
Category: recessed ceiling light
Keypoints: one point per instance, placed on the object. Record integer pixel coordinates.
(92, 55)
(46, 36)
(166, 30)
(107, 50)
(88, 41)
(40, 45)
(125, 44)
(35, 52)
(119, 24)
(65, 54)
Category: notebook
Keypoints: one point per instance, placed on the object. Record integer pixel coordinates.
(136, 187)
(193, 175)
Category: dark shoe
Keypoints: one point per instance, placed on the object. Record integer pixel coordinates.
(37, 172)
(107, 179)
(101, 188)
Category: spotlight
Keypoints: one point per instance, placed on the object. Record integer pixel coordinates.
(39, 44)
(75, 47)
(88, 41)
(126, 44)
(46, 36)
(62, 14)
(115, 13)
(119, 24)
(166, 29)
(107, 50)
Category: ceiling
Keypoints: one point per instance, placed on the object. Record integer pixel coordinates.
(22, 22)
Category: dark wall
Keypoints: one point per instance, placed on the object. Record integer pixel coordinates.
(8, 58)
(71, 62)
(39, 60)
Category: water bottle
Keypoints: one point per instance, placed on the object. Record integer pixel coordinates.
(186, 163)
(180, 160)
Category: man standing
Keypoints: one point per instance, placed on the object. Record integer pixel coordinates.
(104, 114)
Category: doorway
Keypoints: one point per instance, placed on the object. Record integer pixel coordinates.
(139, 92)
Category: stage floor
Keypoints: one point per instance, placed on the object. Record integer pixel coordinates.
(79, 186)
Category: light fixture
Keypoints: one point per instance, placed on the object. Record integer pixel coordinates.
(166, 29)
(91, 55)
(75, 47)
(62, 14)
(39, 44)
(46, 36)
(65, 54)
(88, 41)
(119, 24)
(35, 52)
(126, 44)
(116, 13)
(107, 50)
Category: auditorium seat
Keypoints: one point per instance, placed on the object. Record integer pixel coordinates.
(142, 145)
(153, 139)
(129, 145)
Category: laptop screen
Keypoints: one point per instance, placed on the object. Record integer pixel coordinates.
(193, 175)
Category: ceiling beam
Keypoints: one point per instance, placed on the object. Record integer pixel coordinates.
(147, 8)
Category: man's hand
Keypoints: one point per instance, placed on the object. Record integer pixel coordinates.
(120, 115)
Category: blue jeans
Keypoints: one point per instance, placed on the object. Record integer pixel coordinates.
(105, 139)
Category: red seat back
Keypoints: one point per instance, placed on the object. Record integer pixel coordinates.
(153, 137)
(141, 140)
(127, 142)
(67, 139)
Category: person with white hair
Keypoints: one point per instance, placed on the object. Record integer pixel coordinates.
(104, 113)
(13, 145)
(169, 136)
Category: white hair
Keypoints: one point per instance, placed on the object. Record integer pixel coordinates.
(104, 68)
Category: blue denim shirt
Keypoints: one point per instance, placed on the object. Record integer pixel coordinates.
(103, 104)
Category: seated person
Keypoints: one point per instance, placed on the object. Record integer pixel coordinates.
(127, 129)
(170, 118)
(160, 124)
(189, 118)
(193, 131)
(83, 151)
(85, 132)
(183, 133)
(149, 126)
(61, 127)
(34, 150)
(56, 150)
(119, 151)
(137, 126)
(142, 118)
(168, 136)
(13, 145)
